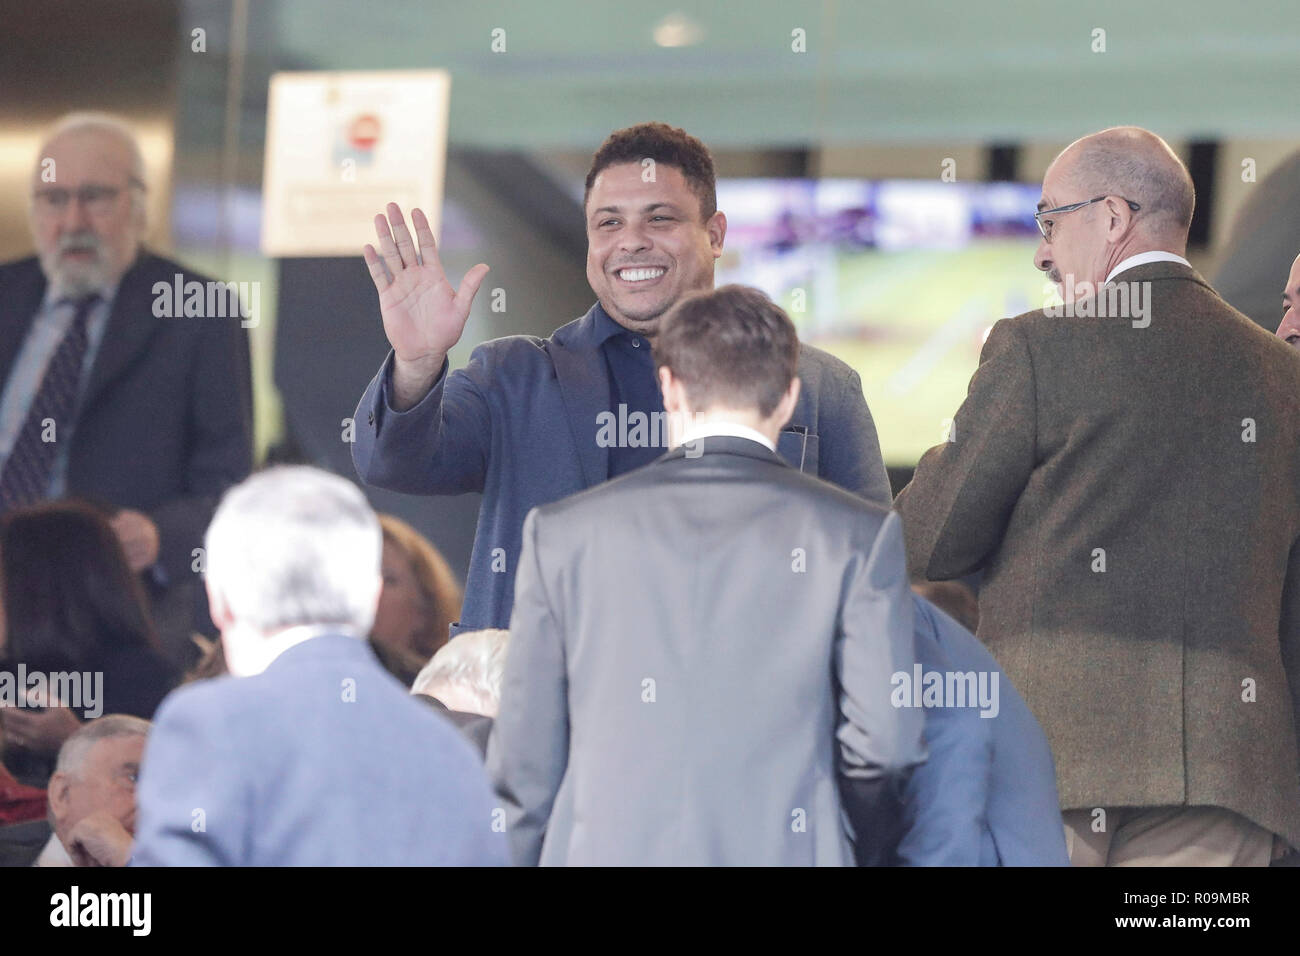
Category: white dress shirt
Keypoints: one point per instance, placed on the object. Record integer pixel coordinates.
(1142, 258)
(727, 429)
(54, 854)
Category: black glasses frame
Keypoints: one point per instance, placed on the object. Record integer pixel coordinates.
(1071, 207)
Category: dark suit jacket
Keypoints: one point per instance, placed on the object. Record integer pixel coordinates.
(1169, 456)
(987, 794)
(21, 843)
(519, 424)
(135, 681)
(165, 425)
(476, 727)
(698, 650)
(321, 760)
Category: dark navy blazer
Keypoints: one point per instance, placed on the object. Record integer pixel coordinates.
(520, 424)
(165, 426)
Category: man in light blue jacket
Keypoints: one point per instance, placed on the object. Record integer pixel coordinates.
(987, 795)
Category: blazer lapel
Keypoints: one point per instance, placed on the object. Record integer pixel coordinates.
(130, 327)
(584, 385)
(20, 297)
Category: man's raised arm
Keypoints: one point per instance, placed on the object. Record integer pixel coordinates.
(416, 430)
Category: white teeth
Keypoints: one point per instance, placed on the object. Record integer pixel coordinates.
(640, 275)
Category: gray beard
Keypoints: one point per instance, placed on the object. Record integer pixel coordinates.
(73, 282)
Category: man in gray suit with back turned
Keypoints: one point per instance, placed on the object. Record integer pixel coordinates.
(1127, 474)
(701, 651)
(310, 754)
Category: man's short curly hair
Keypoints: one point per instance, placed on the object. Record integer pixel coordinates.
(667, 146)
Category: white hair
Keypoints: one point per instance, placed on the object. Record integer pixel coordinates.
(471, 663)
(73, 753)
(119, 129)
(91, 122)
(295, 545)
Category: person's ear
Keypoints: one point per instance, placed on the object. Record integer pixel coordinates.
(218, 609)
(1119, 218)
(717, 230)
(671, 389)
(785, 408)
(60, 794)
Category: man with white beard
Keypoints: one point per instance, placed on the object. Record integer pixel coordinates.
(101, 398)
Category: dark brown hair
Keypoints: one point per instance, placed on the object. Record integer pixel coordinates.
(69, 596)
(666, 145)
(733, 346)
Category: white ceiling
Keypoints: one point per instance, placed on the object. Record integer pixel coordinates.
(904, 70)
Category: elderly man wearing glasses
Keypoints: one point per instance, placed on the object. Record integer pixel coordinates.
(150, 418)
(1129, 491)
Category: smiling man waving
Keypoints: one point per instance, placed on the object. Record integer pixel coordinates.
(526, 422)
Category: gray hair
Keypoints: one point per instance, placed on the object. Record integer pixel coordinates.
(73, 753)
(119, 129)
(473, 663)
(1137, 164)
(295, 545)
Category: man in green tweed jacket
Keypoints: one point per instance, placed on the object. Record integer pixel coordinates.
(1126, 471)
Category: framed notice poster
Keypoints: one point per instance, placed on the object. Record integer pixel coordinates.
(341, 146)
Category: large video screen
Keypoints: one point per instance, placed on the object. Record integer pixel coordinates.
(901, 279)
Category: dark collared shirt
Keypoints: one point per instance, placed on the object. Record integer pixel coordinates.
(634, 385)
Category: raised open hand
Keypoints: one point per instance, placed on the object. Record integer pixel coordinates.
(423, 315)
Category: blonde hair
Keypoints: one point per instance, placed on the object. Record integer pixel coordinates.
(473, 663)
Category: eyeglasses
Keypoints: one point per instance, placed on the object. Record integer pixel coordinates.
(1046, 227)
(96, 198)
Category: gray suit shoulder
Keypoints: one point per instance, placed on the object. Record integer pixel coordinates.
(824, 366)
(821, 496)
(831, 499)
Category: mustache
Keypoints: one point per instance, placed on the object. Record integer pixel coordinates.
(81, 242)
(1054, 275)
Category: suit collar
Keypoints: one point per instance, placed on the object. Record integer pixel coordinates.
(328, 644)
(585, 332)
(21, 292)
(1158, 271)
(604, 328)
(583, 377)
(1143, 258)
(725, 445)
(716, 429)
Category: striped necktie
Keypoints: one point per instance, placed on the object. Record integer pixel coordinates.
(30, 466)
